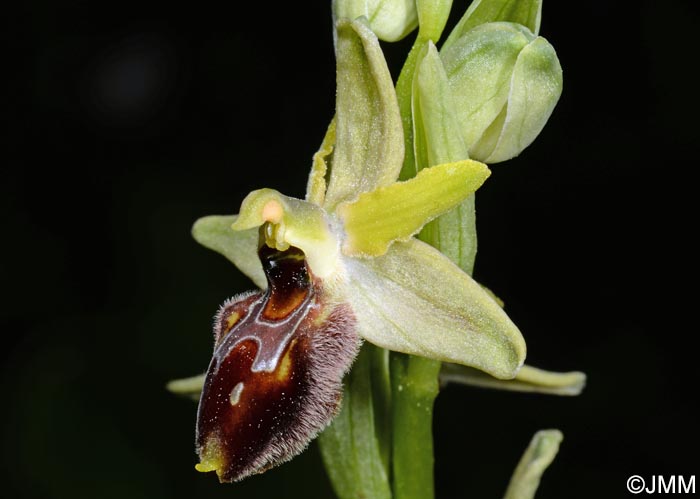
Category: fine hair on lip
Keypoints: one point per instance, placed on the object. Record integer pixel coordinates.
(275, 379)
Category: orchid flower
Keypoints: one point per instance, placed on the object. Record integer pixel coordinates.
(336, 268)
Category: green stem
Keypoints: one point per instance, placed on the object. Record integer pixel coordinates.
(414, 382)
(414, 385)
(414, 379)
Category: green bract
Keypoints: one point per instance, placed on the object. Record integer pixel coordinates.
(539, 455)
(356, 231)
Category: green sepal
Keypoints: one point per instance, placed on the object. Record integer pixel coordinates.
(525, 12)
(353, 447)
(239, 247)
(291, 222)
(187, 387)
(396, 212)
(539, 455)
(529, 379)
(493, 295)
(369, 139)
(414, 300)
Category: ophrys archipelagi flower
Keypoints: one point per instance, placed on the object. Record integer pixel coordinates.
(336, 268)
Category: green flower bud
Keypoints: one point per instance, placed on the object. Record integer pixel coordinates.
(390, 20)
(525, 12)
(505, 82)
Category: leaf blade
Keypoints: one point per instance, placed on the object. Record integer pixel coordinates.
(351, 446)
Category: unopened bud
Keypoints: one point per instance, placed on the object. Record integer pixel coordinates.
(390, 20)
(505, 83)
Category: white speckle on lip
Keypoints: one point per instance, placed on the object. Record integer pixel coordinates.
(236, 393)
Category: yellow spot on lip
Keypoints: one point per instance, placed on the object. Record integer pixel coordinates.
(272, 211)
(232, 319)
(210, 457)
(205, 467)
(286, 363)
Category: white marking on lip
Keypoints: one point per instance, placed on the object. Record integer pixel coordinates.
(236, 393)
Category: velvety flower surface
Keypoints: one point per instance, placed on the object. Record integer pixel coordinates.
(274, 379)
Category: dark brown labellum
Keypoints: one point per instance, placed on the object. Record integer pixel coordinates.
(274, 381)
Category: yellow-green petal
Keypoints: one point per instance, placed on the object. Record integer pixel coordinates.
(413, 299)
(292, 222)
(396, 212)
(241, 248)
(539, 455)
(369, 137)
(316, 185)
(529, 379)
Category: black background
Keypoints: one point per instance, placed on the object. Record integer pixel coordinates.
(130, 120)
